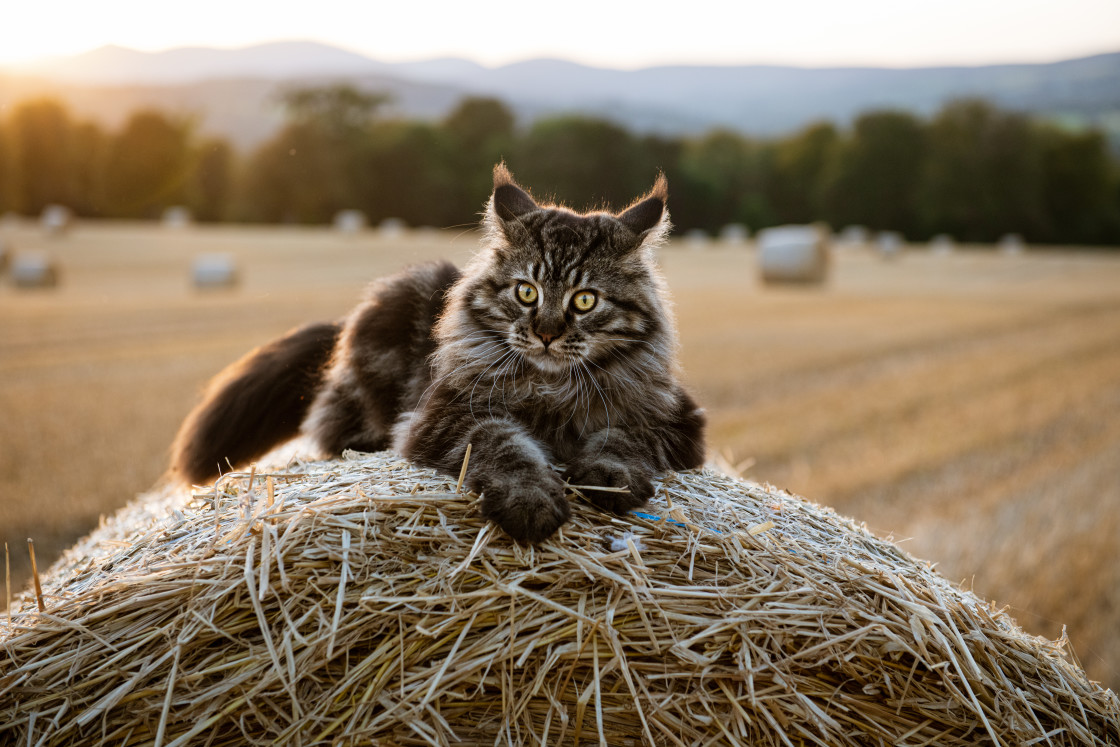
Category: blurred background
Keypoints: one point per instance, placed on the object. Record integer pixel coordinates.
(896, 260)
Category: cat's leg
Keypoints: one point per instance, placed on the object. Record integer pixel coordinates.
(631, 456)
(508, 467)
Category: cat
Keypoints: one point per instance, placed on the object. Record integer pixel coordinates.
(555, 343)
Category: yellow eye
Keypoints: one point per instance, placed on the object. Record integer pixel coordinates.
(526, 293)
(584, 301)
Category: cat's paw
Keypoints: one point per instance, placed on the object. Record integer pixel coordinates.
(529, 505)
(611, 473)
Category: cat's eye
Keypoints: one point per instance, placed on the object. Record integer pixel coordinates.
(584, 301)
(526, 293)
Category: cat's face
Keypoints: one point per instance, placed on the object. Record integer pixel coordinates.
(569, 289)
(565, 290)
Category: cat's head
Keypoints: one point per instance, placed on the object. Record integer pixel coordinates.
(563, 288)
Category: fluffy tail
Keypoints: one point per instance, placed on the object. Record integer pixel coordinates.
(254, 404)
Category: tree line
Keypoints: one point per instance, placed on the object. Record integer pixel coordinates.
(971, 170)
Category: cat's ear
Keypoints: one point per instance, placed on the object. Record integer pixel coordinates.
(510, 201)
(647, 217)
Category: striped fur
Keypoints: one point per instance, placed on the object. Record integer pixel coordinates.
(435, 360)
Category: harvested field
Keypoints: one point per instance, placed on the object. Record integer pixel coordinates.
(963, 403)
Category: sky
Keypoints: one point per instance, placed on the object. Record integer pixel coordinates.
(892, 33)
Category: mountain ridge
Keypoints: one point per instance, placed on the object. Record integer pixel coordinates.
(762, 100)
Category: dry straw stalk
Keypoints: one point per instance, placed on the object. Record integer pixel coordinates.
(364, 600)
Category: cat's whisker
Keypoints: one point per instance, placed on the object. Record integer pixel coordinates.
(470, 400)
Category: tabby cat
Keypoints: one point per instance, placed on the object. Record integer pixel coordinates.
(554, 344)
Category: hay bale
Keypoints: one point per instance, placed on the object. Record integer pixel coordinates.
(365, 599)
(852, 237)
(350, 221)
(177, 217)
(735, 234)
(697, 238)
(214, 271)
(942, 243)
(793, 254)
(1012, 244)
(392, 228)
(889, 244)
(34, 270)
(56, 219)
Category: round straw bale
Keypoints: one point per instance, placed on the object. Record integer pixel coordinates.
(177, 217)
(734, 234)
(889, 244)
(364, 599)
(793, 254)
(853, 236)
(350, 221)
(1012, 243)
(392, 228)
(697, 238)
(56, 219)
(213, 271)
(34, 270)
(942, 243)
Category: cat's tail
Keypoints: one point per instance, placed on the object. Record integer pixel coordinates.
(254, 404)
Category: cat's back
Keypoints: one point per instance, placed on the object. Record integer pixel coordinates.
(392, 327)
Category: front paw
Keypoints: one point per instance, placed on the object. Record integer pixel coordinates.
(528, 504)
(611, 473)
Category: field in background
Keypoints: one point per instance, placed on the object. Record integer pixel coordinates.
(966, 403)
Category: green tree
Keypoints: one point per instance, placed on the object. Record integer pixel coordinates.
(412, 176)
(89, 150)
(7, 170)
(41, 139)
(479, 132)
(147, 166)
(319, 163)
(583, 161)
(722, 178)
(876, 172)
(800, 163)
(211, 186)
(984, 174)
(1080, 188)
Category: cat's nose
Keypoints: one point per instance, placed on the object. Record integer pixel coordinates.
(546, 338)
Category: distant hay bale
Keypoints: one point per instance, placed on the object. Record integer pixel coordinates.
(852, 236)
(889, 244)
(364, 599)
(793, 254)
(697, 238)
(177, 217)
(942, 243)
(391, 228)
(735, 234)
(34, 270)
(350, 221)
(56, 219)
(1012, 244)
(214, 271)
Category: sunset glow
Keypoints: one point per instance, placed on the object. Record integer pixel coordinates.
(813, 33)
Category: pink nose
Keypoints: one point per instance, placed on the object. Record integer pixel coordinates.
(546, 338)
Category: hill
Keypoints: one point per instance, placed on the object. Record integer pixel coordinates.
(233, 92)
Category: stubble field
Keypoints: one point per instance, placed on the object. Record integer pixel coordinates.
(967, 405)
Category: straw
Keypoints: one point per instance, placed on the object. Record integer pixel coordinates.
(365, 600)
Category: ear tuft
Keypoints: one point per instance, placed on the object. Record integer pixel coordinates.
(510, 201)
(646, 213)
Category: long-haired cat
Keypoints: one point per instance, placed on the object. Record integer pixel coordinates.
(554, 344)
